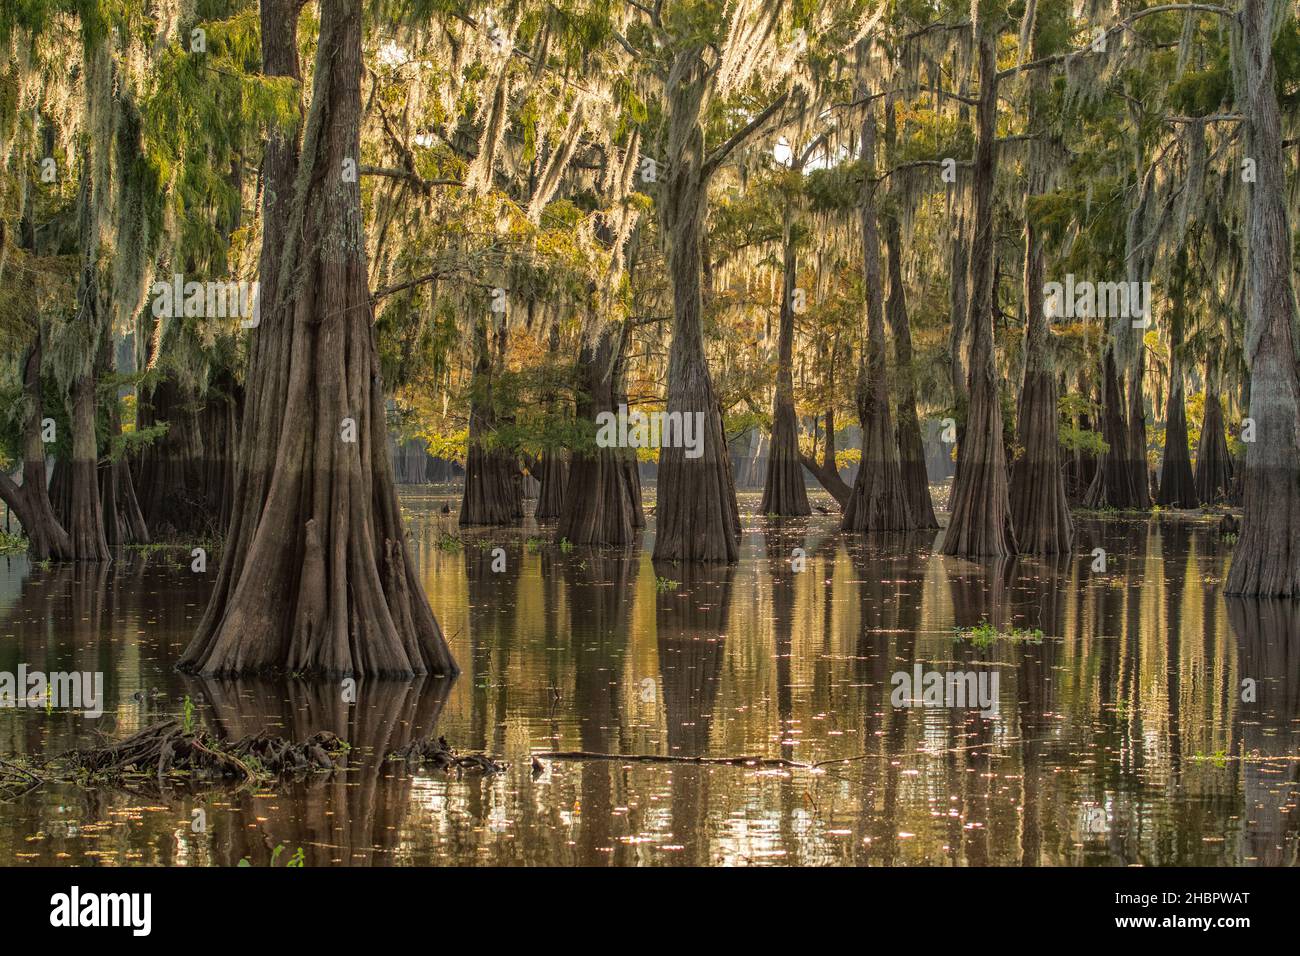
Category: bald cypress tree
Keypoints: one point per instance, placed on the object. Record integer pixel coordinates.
(315, 574)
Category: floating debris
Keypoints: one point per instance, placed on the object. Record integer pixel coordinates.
(439, 753)
(169, 749)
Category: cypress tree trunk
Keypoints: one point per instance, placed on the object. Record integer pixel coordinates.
(1213, 463)
(698, 519)
(30, 502)
(185, 479)
(123, 520)
(1177, 488)
(1112, 482)
(878, 501)
(598, 503)
(1038, 502)
(553, 477)
(631, 466)
(783, 488)
(958, 307)
(911, 448)
(316, 577)
(1266, 561)
(86, 518)
(553, 472)
(1039, 507)
(1082, 465)
(981, 511)
(492, 494)
(1137, 435)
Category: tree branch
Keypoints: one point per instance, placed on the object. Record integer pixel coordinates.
(720, 154)
(424, 185)
(1121, 25)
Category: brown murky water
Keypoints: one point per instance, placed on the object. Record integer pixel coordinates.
(1121, 738)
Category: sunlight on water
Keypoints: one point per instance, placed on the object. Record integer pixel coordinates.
(1121, 737)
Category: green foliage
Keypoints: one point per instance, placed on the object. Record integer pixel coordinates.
(985, 634)
(11, 543)
(297, 860)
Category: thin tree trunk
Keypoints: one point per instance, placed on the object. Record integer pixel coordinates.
(86, 518)
(784, 492)
(911, 447)
(1137, 434)
(123, 520)
(1112, 483)
(316, 577)
(631, 465)
(1177, 487)
(878, 501)
(826, 471)
(981, 512)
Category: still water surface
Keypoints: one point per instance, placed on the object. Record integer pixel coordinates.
(1121, 738)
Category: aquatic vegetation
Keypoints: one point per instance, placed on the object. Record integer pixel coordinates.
(12, 543)
(446, 541)
(984, 634)
(297, 860)
(663, 584)
(1219, 758)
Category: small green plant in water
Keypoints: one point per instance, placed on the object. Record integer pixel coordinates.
(299, 858)
(665, 584)
(984, 634)
(565, 545)
(187, 715)
(12, 543)
(1219, 758)
(533, 545)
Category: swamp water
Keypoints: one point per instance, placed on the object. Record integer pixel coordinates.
(1120, 738)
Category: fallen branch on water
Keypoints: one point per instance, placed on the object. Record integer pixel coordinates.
(16, 781)
(658, 758)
